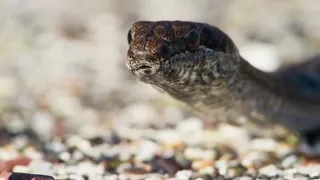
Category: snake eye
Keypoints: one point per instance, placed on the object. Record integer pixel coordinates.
(192, 35)
(129, 37)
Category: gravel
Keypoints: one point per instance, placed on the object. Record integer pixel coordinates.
(69, 109)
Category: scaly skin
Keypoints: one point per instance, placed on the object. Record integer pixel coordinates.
(200, 65)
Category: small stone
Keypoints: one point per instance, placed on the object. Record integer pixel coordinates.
(234, 170)
(80, 143)
(201, 164)
(270, 170)
(191, 129)
(311, 169)
(76, 176)
(33, 153)
(283, 150)
(88, 168)
(65, 156)
(299, 176)
(9, 86)
(190, 125)
(169, 165)
(41, 167)
(256, 159)
(210, 170)
(42, 125)
(65, 105)
(266, 144)
(168, 136)
(15, 123)
(147, 150)
(236, 137)
(184, 174)
(20, 141)
(244, 178)
(21, 169)
(77, 155)
(56, 146)
(289, 161)
(198, 153)
(96, 141)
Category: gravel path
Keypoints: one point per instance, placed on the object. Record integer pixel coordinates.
(69, 108)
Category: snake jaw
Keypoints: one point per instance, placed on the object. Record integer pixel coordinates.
(143, 65)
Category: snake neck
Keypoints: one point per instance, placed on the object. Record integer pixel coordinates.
(274, 98)
(227, 87)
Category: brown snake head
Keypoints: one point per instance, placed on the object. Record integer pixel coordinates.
(174, 52)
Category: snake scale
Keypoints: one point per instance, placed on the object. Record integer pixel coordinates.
(200, 65)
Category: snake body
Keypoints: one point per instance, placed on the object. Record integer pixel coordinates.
(199, 64)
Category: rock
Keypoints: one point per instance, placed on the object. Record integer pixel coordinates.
(200, 154)
(289, 161)
(41, 167)
(270, 170)
(266, 144)
(43, 125)
(147, 150)
(191, 129)
(256, 159)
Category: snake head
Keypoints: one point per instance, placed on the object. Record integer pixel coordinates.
(156, 47)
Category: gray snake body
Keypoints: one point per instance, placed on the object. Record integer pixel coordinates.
(200, 65)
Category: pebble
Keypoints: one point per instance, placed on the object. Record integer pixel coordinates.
(289, 161)
(169, 136)
(198, 153)
(266, 144)
(9, 86)
(43, 125)
(147, 150)
(270, 170)
(41, 167)
(256, 159)
(191, 129)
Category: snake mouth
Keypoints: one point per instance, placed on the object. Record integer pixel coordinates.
(146, 69)
(143, 68)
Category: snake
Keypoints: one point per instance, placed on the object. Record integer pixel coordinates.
(199, 65)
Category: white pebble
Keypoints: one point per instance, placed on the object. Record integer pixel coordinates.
(191, 130)
(43, 124)
(200, 154)
(270, 170)
(65, 156)
(147, 150)
(41, 167)
(8, 86)
(168, 136)
(184, 174)
(266, 144)
(21, 169)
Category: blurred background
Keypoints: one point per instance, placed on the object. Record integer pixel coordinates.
(62, 62)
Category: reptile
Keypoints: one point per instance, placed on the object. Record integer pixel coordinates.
(200, 65)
